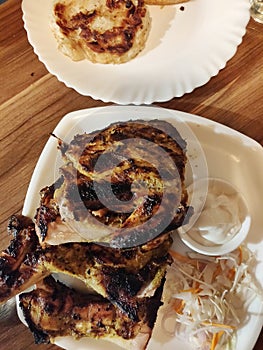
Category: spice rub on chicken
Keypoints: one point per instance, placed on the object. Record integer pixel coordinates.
(139, 163)
(124, 287)
(19, 268)
(121, 276)
(102, 31)
(54, 310)
(123, 185)
(49, 228)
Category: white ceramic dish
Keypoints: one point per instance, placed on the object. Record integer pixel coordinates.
(224, 153)
(211, 238)
(184, 50)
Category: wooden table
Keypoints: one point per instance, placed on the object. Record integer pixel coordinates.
(32, 102)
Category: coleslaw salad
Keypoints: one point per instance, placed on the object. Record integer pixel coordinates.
(206, 297)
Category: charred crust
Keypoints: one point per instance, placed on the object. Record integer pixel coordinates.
(13, 267)
(122, 286)
(154, 305)
(48, 210)
(86, 150)
(117, 40)
(69, 307)
(40, 336)
(17, 223)
(44, 216)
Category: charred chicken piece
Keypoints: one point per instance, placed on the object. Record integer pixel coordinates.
(136, 275)
(111, 221)
(123, 185)
(125, 271)
(53, 310)
(20, 265)
(52, 231)
(121, 286)
(85, 149)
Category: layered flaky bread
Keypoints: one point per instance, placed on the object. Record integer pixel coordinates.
(102, 31)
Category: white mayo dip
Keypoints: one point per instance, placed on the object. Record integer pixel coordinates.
(220, 214)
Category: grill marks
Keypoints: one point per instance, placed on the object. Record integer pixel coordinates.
(103, 27)
(89, 147)
(18, 268)
(122, 306)
(97, 266)
(135, 162)
(127, 282)
(54, 309)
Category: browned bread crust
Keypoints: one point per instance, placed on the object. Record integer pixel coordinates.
(102, 31)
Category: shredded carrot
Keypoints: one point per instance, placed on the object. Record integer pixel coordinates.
(231, 274)
(217, 271)
(196, 285)
(182, 258)
(179, 305)
(215, 339)
(218, 325)
(207, 283)
(240, 255)
(190, 290)
(214, 342)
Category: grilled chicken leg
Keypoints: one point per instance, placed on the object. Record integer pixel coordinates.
(53, 310)
(25, 262)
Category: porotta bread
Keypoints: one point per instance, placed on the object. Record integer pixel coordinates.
(101, 31)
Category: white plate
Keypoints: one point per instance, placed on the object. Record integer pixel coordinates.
(223, 153)
(184, 50)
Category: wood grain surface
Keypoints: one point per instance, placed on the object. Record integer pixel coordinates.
(32, 102)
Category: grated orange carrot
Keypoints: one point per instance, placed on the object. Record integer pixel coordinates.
(179, 305)
(231, 274)
(182, 258)
(218, 325)
(215, 339)
(191, 290)
(240, 255)
(217, 271)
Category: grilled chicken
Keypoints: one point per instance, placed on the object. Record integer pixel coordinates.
(123, 185)
(120, 286)
(53, 230)
(19, 263)
(113, 141)
(48, 222)
(139, 167)
(53, 310)
(123, 277)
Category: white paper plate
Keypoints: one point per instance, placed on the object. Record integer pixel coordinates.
(224, 153)
(184, 50)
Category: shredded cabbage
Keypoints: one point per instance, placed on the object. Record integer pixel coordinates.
(206, 297)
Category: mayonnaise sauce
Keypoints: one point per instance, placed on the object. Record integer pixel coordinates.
(221, 216)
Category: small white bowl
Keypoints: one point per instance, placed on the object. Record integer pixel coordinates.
(221, 219)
